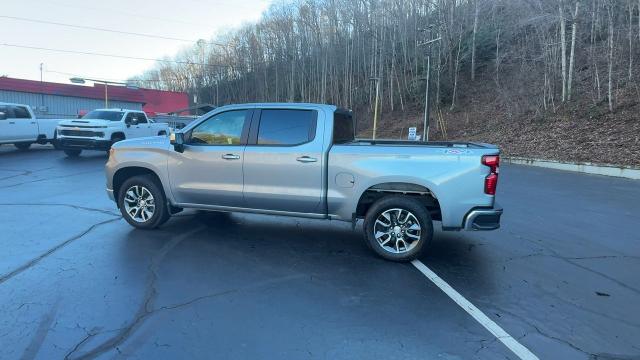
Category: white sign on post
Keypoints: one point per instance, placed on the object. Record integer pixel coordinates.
(412, 133)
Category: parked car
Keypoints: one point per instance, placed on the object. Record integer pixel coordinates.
(303, 160)
(101, 128)
(20, 127)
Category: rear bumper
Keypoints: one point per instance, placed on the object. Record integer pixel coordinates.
(85, 144)
(483, 218)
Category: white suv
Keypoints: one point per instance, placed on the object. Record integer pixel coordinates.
(100, 128)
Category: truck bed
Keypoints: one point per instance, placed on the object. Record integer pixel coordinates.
(449, 144)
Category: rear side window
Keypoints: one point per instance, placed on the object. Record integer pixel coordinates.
(343, 127)
(21, 112)
(286, 127)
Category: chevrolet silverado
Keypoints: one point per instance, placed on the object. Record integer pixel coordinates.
(303, 160)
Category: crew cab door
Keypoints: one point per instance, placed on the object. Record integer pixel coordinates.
(136, 125)
(209, 170)
(283, 161)
(5, 128)
(18, 125)
(146, 127)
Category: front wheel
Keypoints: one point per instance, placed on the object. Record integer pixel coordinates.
(22, 146)
(72, 152)
(398, 228)
(55, 142)
(142, 202)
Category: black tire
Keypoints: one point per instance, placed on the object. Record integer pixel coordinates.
(421, 216)
(22, 145)
(73, 152)
(161, 212)
(116, 138)
(55, 142)
(162, 133)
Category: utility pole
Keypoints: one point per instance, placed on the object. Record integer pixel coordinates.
(41, 87)
(375, 109)
(427, 109)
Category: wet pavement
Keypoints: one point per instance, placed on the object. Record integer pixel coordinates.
(76, 281)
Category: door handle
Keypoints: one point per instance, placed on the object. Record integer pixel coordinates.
(12, 122)
(230, 157)
(306, 159)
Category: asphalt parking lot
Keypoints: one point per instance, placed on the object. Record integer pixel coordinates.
(76, 281)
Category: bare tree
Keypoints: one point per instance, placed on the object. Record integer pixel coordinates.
(574, 29)
(563, 44)
(610, 42)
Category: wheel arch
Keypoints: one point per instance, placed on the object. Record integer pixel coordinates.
(124, 173)
(119, 134)
(377, 191)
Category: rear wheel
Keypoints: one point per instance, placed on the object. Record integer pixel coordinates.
(142, 202)
(398, 228)
(72, 152)
(23, 145)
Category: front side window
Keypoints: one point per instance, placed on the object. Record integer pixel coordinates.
(21, 112)
(221, 129)
(142, 118)
(4, 112)
(286, 127)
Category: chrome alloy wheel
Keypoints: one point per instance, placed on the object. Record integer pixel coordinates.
(139, 203)
(397, 230)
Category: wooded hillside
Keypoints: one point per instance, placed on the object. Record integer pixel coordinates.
(513, 72)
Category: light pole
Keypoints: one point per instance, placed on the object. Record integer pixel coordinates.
(426, 95)
(79, 80)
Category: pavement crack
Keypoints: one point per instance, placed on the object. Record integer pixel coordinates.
(36, 260)
(572, 260)
(22, 172)
(545, 334)
(50, 178)
(77, 207)
(145, 309)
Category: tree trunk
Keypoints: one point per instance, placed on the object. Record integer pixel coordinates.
(574, 29)
(473, 41)
(631, 39)
(610, 89)
(563, 47)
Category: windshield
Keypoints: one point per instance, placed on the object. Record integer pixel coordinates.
(104, 115)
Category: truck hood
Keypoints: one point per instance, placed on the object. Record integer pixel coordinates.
(151, 142)
(87, 123)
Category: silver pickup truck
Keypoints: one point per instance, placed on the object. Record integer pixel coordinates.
(303, 160)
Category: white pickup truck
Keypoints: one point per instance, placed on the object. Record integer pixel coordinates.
(100, 128)
(19, 126)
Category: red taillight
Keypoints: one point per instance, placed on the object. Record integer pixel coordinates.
(491, 181)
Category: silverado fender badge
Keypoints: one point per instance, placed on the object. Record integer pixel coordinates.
(457, 151)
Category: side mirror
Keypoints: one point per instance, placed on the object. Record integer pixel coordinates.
(3, 115)
(177, 140)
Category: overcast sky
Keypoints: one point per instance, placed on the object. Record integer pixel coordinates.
(184, 19)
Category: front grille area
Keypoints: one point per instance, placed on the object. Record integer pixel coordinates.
(84, 133)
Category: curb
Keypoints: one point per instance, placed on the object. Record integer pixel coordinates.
(586, 168)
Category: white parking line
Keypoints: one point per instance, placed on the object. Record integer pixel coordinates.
(508, 340)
